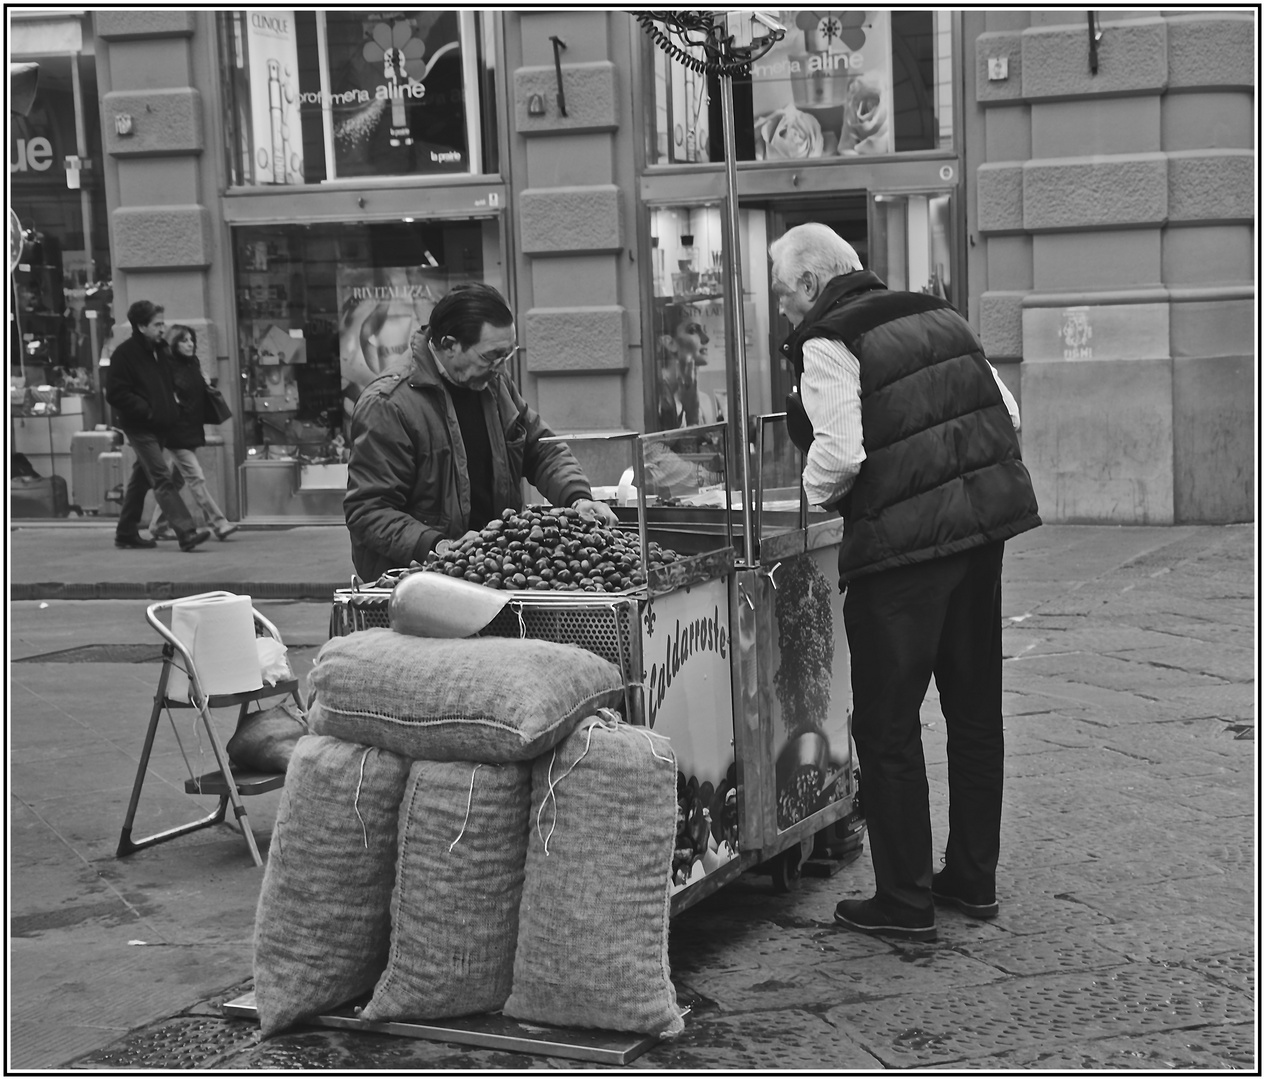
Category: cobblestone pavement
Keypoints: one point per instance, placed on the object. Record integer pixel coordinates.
(1127, 933)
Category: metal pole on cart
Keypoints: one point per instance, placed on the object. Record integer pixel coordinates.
(738, 372)
(730, 42)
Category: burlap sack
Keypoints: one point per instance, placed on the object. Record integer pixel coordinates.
(468, 699)
(266, 739)
(593, 922)
(322, 926)
(454, 912)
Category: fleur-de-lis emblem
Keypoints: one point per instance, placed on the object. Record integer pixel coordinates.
(648, 619)
(1076, 329)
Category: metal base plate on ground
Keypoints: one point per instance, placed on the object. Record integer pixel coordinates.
(490, 1031)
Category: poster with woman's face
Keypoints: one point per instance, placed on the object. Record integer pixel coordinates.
(825, 90)
(379, 309)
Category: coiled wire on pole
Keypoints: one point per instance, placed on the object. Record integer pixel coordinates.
(686, 25)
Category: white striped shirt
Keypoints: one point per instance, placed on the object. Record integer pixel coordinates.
(831, 392)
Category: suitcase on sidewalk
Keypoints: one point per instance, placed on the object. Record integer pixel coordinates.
(87, 486)
(116, 471)
(38, 497)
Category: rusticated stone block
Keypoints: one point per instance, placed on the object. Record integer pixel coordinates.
(1082, 193)
(162, 237)
(1211, 50)
(117, 24)
(163, 122)
(1132, 58)
(576, 339)
(999, 193)
(996, 46)
(1001, 323)
(571, 220)
(1211, 185)
(589, 90)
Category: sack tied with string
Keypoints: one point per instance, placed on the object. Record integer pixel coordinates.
(593, 921)
(323, 922)
(458, 878)
(467, 699)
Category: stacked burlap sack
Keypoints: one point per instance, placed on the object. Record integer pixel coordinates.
(470, 828)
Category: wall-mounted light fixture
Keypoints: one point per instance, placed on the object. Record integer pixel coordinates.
(1095, 36)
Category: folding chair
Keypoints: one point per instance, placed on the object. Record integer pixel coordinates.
(228, 783)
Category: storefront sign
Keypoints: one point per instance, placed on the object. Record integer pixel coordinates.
(396, 92)
(273, 59)
(689, 698)
(825, 90)
(33, 155)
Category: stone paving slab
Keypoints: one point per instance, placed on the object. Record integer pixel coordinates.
(919, 1030)
(1219, 1047)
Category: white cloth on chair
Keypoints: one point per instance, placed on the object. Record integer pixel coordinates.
(219, 632)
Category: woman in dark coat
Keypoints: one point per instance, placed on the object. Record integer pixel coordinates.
(183, 440)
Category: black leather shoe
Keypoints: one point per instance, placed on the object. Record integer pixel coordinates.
(136, 541)
(945, 890)
(191, 540)
(867, 917)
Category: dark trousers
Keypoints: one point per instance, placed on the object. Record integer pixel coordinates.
(941, 618)
(151, 470)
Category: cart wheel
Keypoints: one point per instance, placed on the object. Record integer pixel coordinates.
(786, 866)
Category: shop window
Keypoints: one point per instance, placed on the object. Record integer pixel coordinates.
(689, 317)
(841, 84)
(911, 243)
(324, 309)
(61, 282)
(317, 96)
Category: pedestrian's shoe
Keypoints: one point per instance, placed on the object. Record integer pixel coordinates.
(135, 540)
(191, 540)
(162, 533)
(869, 918)
(226, 532)
(977, 905)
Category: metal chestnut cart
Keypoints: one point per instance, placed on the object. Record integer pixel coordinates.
(744, 665)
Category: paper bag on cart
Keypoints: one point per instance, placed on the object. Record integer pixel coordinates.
(219, 633)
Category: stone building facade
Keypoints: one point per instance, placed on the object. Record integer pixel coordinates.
(1097, 228)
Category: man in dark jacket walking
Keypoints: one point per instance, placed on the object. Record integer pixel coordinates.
(911, 437)
(140, 388)
(441, 443)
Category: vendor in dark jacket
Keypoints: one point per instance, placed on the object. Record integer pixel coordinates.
(909, 434)
(140, 387)
(441, 443)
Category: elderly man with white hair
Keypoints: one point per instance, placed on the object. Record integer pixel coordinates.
(911, 437)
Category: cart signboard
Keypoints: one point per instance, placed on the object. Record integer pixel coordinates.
(687, 656)
(812, 688)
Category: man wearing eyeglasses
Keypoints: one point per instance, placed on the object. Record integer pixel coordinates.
(441, 443)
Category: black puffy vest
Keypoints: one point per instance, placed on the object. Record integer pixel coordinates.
(942, 470)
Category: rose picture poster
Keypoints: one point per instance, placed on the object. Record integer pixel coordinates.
(397, 92)
(825, 90)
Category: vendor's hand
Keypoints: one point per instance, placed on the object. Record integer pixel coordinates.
(442, 547)
(596, 511)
